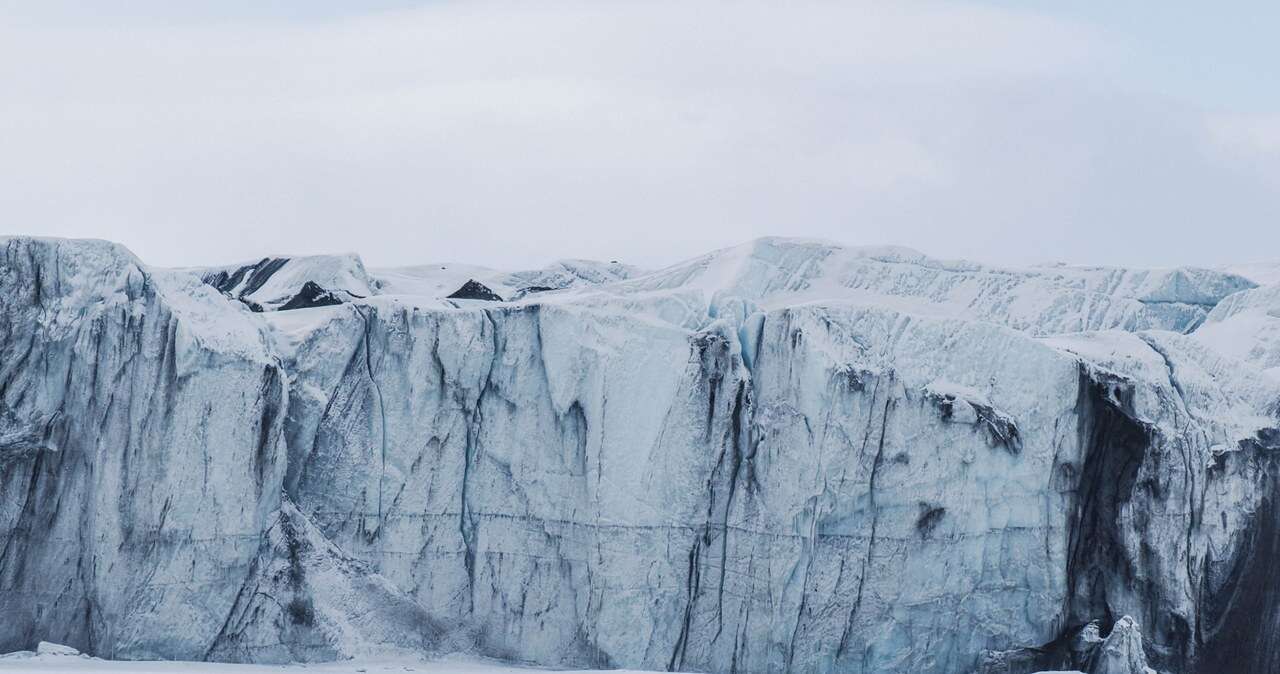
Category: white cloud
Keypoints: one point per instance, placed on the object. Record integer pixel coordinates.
(510, 133)
(1250, 135)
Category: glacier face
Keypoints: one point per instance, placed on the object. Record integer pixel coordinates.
(139, 451)
(785, 456)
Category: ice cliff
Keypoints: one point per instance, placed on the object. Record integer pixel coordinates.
(784, 456)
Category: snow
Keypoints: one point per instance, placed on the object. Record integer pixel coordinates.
(946, 389)
(207, 323)
(438, 281)
(1246, 326)
(772, 273)
(1261, 273)
(332, 272)
(49, 661)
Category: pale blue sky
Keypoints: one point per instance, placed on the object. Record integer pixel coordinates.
(1219, 54)
(1222, 55)
(511, 133)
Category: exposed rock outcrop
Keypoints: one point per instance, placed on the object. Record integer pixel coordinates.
(474, 290)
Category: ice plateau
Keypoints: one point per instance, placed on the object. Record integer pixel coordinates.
(786, 456)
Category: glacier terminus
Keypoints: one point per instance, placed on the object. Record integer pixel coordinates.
(785, 456)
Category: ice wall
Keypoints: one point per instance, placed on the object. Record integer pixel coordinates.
(787, 456)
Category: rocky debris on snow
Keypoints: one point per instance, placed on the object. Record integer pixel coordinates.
(311, 295)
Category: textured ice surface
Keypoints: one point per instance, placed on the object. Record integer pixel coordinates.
(783, 456)
(1246, 326)
(1041, 300)
(140, 417)
(1261, 273)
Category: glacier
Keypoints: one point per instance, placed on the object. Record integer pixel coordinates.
(784, 456)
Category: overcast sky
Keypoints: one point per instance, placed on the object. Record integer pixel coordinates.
(511, 134)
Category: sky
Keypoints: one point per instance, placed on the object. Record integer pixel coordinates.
(512, 134)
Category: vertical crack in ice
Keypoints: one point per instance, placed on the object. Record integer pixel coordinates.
(691, 590)
(1193, 513)
(714, 359)
(368, 316)
(240, 605)
(809, 550)
(295, 482)
(871, 507)
(474, 419)
(735, 431)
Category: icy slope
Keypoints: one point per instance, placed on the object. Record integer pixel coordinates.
(1261, 273)
(1246, 326)
(140, 419)
(1043, 300)
(784, 456)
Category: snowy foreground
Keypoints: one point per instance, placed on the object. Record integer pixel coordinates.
(55, 658)
(785, 456)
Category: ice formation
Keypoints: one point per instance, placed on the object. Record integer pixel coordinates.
(784, 456)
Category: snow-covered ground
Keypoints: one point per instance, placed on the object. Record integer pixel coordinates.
(29, 662)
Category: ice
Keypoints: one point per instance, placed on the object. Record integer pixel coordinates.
(428, 282)
(788, 455)
(776, 272)
(1246, 326)
(1122, 652)
(1261, 273)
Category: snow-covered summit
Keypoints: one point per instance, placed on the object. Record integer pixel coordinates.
(271, 282)
(775, 272)
(778, 272)
(1261, 273)
(438, 281)
(1246, 326)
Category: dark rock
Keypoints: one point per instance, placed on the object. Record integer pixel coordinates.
(311, 295)
(257, 275)
(1000, 428)
(475, 290)
(930, 517)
